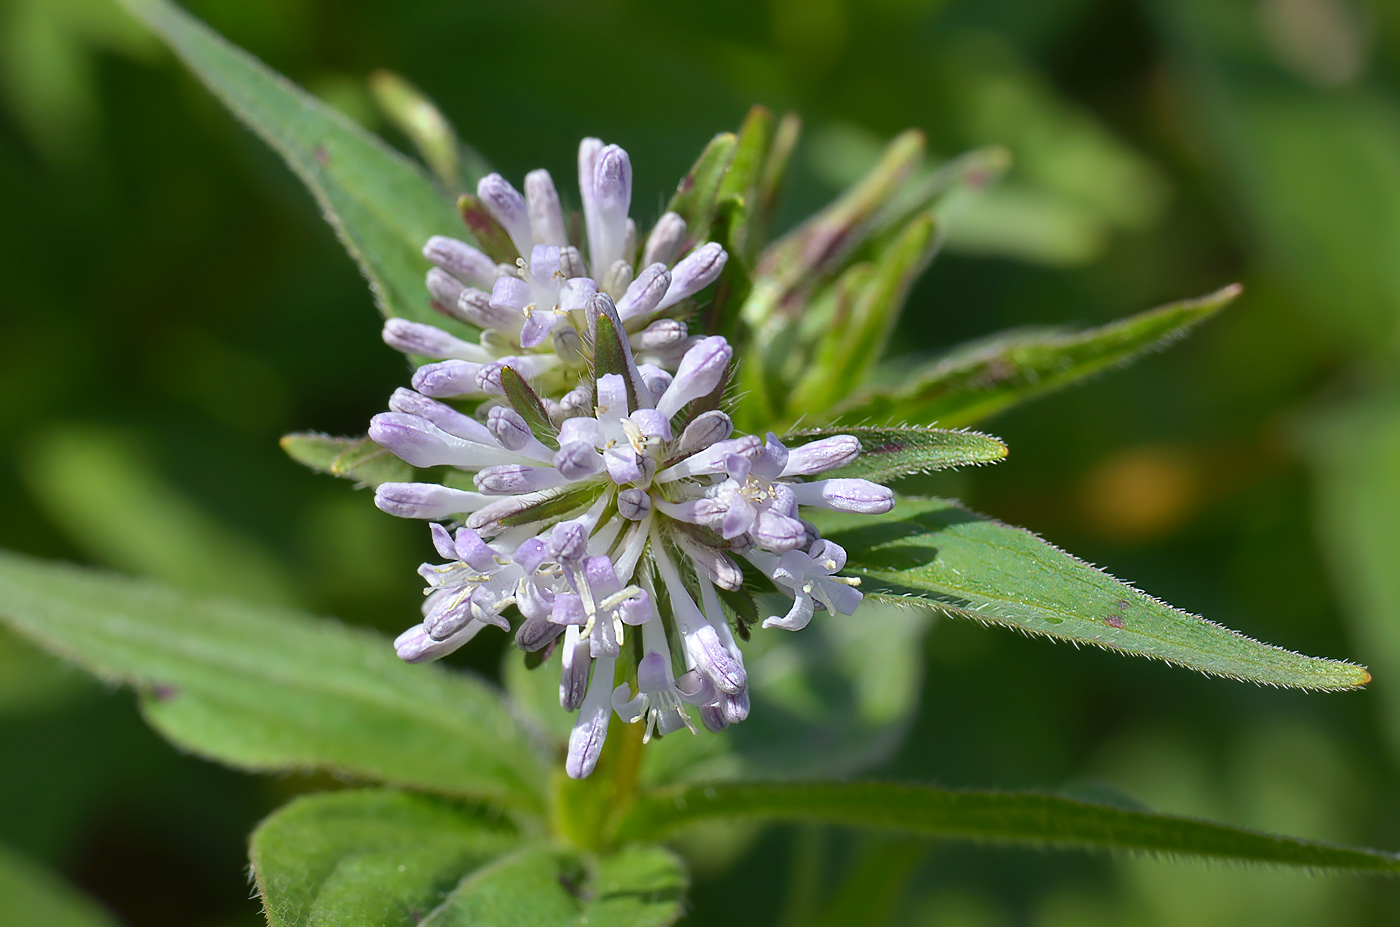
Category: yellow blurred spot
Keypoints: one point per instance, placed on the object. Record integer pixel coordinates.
(1142, 493)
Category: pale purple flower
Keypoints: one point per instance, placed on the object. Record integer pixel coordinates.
(603, 507)
(532, 309)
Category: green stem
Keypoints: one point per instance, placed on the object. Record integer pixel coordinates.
(585, 813)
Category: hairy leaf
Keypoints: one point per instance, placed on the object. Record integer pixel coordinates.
(527, 404)
(935, 553)
(358, 459)
(457, 165)
(970, 386)
(641, 886)
(381, 204)
(394, 859)
(698, 191)
(889, 453)
(271, 689)
(1003, 817)
(373, 858)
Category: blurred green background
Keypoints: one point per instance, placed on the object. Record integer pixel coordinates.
(173, 304)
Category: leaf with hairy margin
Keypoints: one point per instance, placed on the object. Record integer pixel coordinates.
(381, 205)
(889, 453)
(358, 459)
(394, 859)
(968, 387)
(936, 553)
(1000, 817)
(267, 688)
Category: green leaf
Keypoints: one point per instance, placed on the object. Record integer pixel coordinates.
(966, 387)
(458, 166)
(31, 895)
(1002, 817)
(827, 238)
(381, 204)
(394, 859)
(855, 338)
(272, 689)
(367, 857)
(528, 406)
(544, 886)
(889, 453)
(698, 191)
(358, 459)
(935, 553)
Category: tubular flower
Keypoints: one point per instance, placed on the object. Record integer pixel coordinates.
(529, 295)
(610, 525)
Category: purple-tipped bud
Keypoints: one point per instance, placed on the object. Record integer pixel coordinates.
(618, 278)
(474, 306)
(777, 532)
(656, 380)
(697, 270)
(721, 570)
(440, 414)
(633, 504)
(713, 717)
(612, 182)
(444, 288)
(571, 263)
(573, 679)
(664, 243)
(514, 479)
(704, 430)
(418, 441)
(700, 372)
(417, 646)
(662, 334)
(578, 461)
(507, 206)
(418, 338)
(820, 456)
(536, 633)
(645, 293)
(426, 500)
(846, 495)
(591, 727)
(736, 707)
(607, 195)
(509, 428)
(713, 459)
(461, 260)
(717, 663)
(546, 215)
(447, 378)
(568, 541)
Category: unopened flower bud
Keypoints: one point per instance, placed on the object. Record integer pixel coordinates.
(542, 204)
(664, 243)
(699, 373)
(633, 504)
(507, 206)
(696, 270)
(461, 260)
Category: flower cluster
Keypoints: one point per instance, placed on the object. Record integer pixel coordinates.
(611, 506)
(532, 307)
